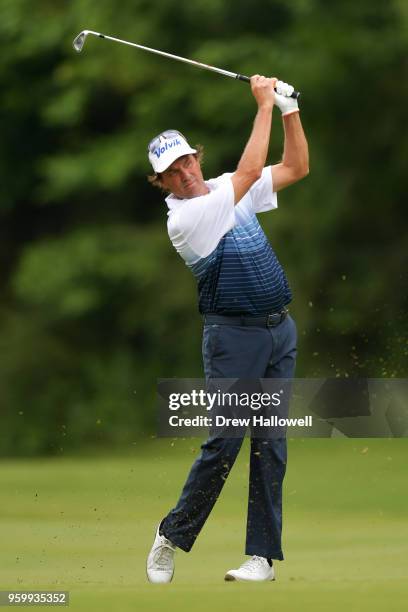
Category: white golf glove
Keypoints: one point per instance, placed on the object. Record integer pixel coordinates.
(283, 101)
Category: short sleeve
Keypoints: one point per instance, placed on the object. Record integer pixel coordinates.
(262, 194)
(196, 228)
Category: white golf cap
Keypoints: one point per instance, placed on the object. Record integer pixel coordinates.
(165, 148)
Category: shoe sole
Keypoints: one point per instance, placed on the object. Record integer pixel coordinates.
(229, 578)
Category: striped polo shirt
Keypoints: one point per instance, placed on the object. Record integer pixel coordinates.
(226, 249)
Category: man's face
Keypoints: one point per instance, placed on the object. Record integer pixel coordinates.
(184, 178)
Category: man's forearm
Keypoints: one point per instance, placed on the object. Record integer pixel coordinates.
(254, 156)
(296, 152)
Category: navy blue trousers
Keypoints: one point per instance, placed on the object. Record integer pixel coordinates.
(239, 352)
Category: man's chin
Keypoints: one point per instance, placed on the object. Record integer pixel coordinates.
(190, 191)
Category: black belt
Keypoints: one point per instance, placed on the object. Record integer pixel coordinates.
(270, 320)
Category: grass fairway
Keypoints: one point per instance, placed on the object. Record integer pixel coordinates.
(86, 524)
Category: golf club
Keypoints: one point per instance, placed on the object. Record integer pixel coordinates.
(79, 42)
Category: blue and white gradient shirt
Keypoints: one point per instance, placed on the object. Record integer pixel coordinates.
(226, 249)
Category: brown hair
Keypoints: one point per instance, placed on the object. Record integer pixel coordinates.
(155, 179)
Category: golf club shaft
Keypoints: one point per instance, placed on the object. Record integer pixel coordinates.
(227, 73)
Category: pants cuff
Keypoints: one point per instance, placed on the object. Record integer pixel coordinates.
(254, 550)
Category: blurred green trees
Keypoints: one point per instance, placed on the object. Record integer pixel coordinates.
(95, 304)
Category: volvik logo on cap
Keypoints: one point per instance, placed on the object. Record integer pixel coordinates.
(165, 148)
(168, 145)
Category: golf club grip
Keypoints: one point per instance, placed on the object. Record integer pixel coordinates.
(241, 77)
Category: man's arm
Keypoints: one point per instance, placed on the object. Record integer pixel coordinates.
(295, 162)
(254, 156)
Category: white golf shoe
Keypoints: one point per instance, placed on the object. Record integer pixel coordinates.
(256, 569)
(160, 562)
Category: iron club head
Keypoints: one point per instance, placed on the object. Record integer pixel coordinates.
(79, 41)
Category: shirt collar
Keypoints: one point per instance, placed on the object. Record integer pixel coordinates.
(173, 202)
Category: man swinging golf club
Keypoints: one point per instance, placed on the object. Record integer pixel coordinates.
(248, 333)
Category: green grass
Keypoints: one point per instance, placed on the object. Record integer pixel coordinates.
(86, 524)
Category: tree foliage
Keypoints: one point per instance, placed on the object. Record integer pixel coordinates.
(95, 304)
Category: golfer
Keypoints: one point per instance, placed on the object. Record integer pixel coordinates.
(248, 332)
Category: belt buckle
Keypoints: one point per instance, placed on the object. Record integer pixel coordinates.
(271, 320)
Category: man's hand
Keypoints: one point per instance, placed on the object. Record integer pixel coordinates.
(263, 90)
(283, 101)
